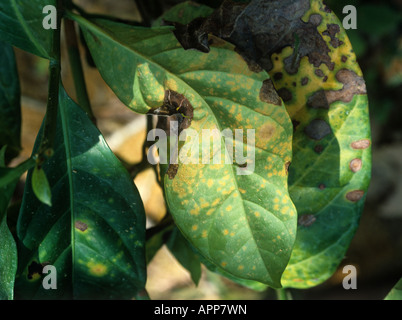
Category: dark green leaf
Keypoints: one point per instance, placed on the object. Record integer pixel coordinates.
(3, 156)
(10, 175)
(182, 251)
(94, 233)
(8, 261)
(156, 240)
(8, 249)
(10, 109)
(21, 25)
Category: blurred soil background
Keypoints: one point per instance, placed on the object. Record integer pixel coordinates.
(376, 249)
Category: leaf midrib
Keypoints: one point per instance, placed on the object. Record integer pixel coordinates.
(67, 149)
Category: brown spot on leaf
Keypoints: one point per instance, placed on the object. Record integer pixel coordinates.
(241, 165)
(332, 30)
(33, 268)
(80, 225)
(360, 144)
(176, 107)
(285, 94)
(318, 100)
(278, 76)
(344, 58)
(266, 132)
(172, 170)
(304, 81)
(36, 268)
(317, 129)
(326, 8)
(306, 220)
(352, 84)
(268, 93)
(321, 186)
(355, 165)
(315, 19)
(319, 73)
(355, 195)
(287, 165)
(318, 148)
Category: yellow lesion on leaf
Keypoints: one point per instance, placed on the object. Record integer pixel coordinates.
(171, 85)
(195, 211)
(97, 269)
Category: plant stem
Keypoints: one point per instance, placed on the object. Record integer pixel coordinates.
(282, 294)
(76, 68)
(49, 129)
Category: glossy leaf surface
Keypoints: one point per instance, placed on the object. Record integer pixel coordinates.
(94, 232)
(21, 25)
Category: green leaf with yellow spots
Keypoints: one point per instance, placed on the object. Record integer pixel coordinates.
(94, 232)
(237, 214)
(315, 71)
